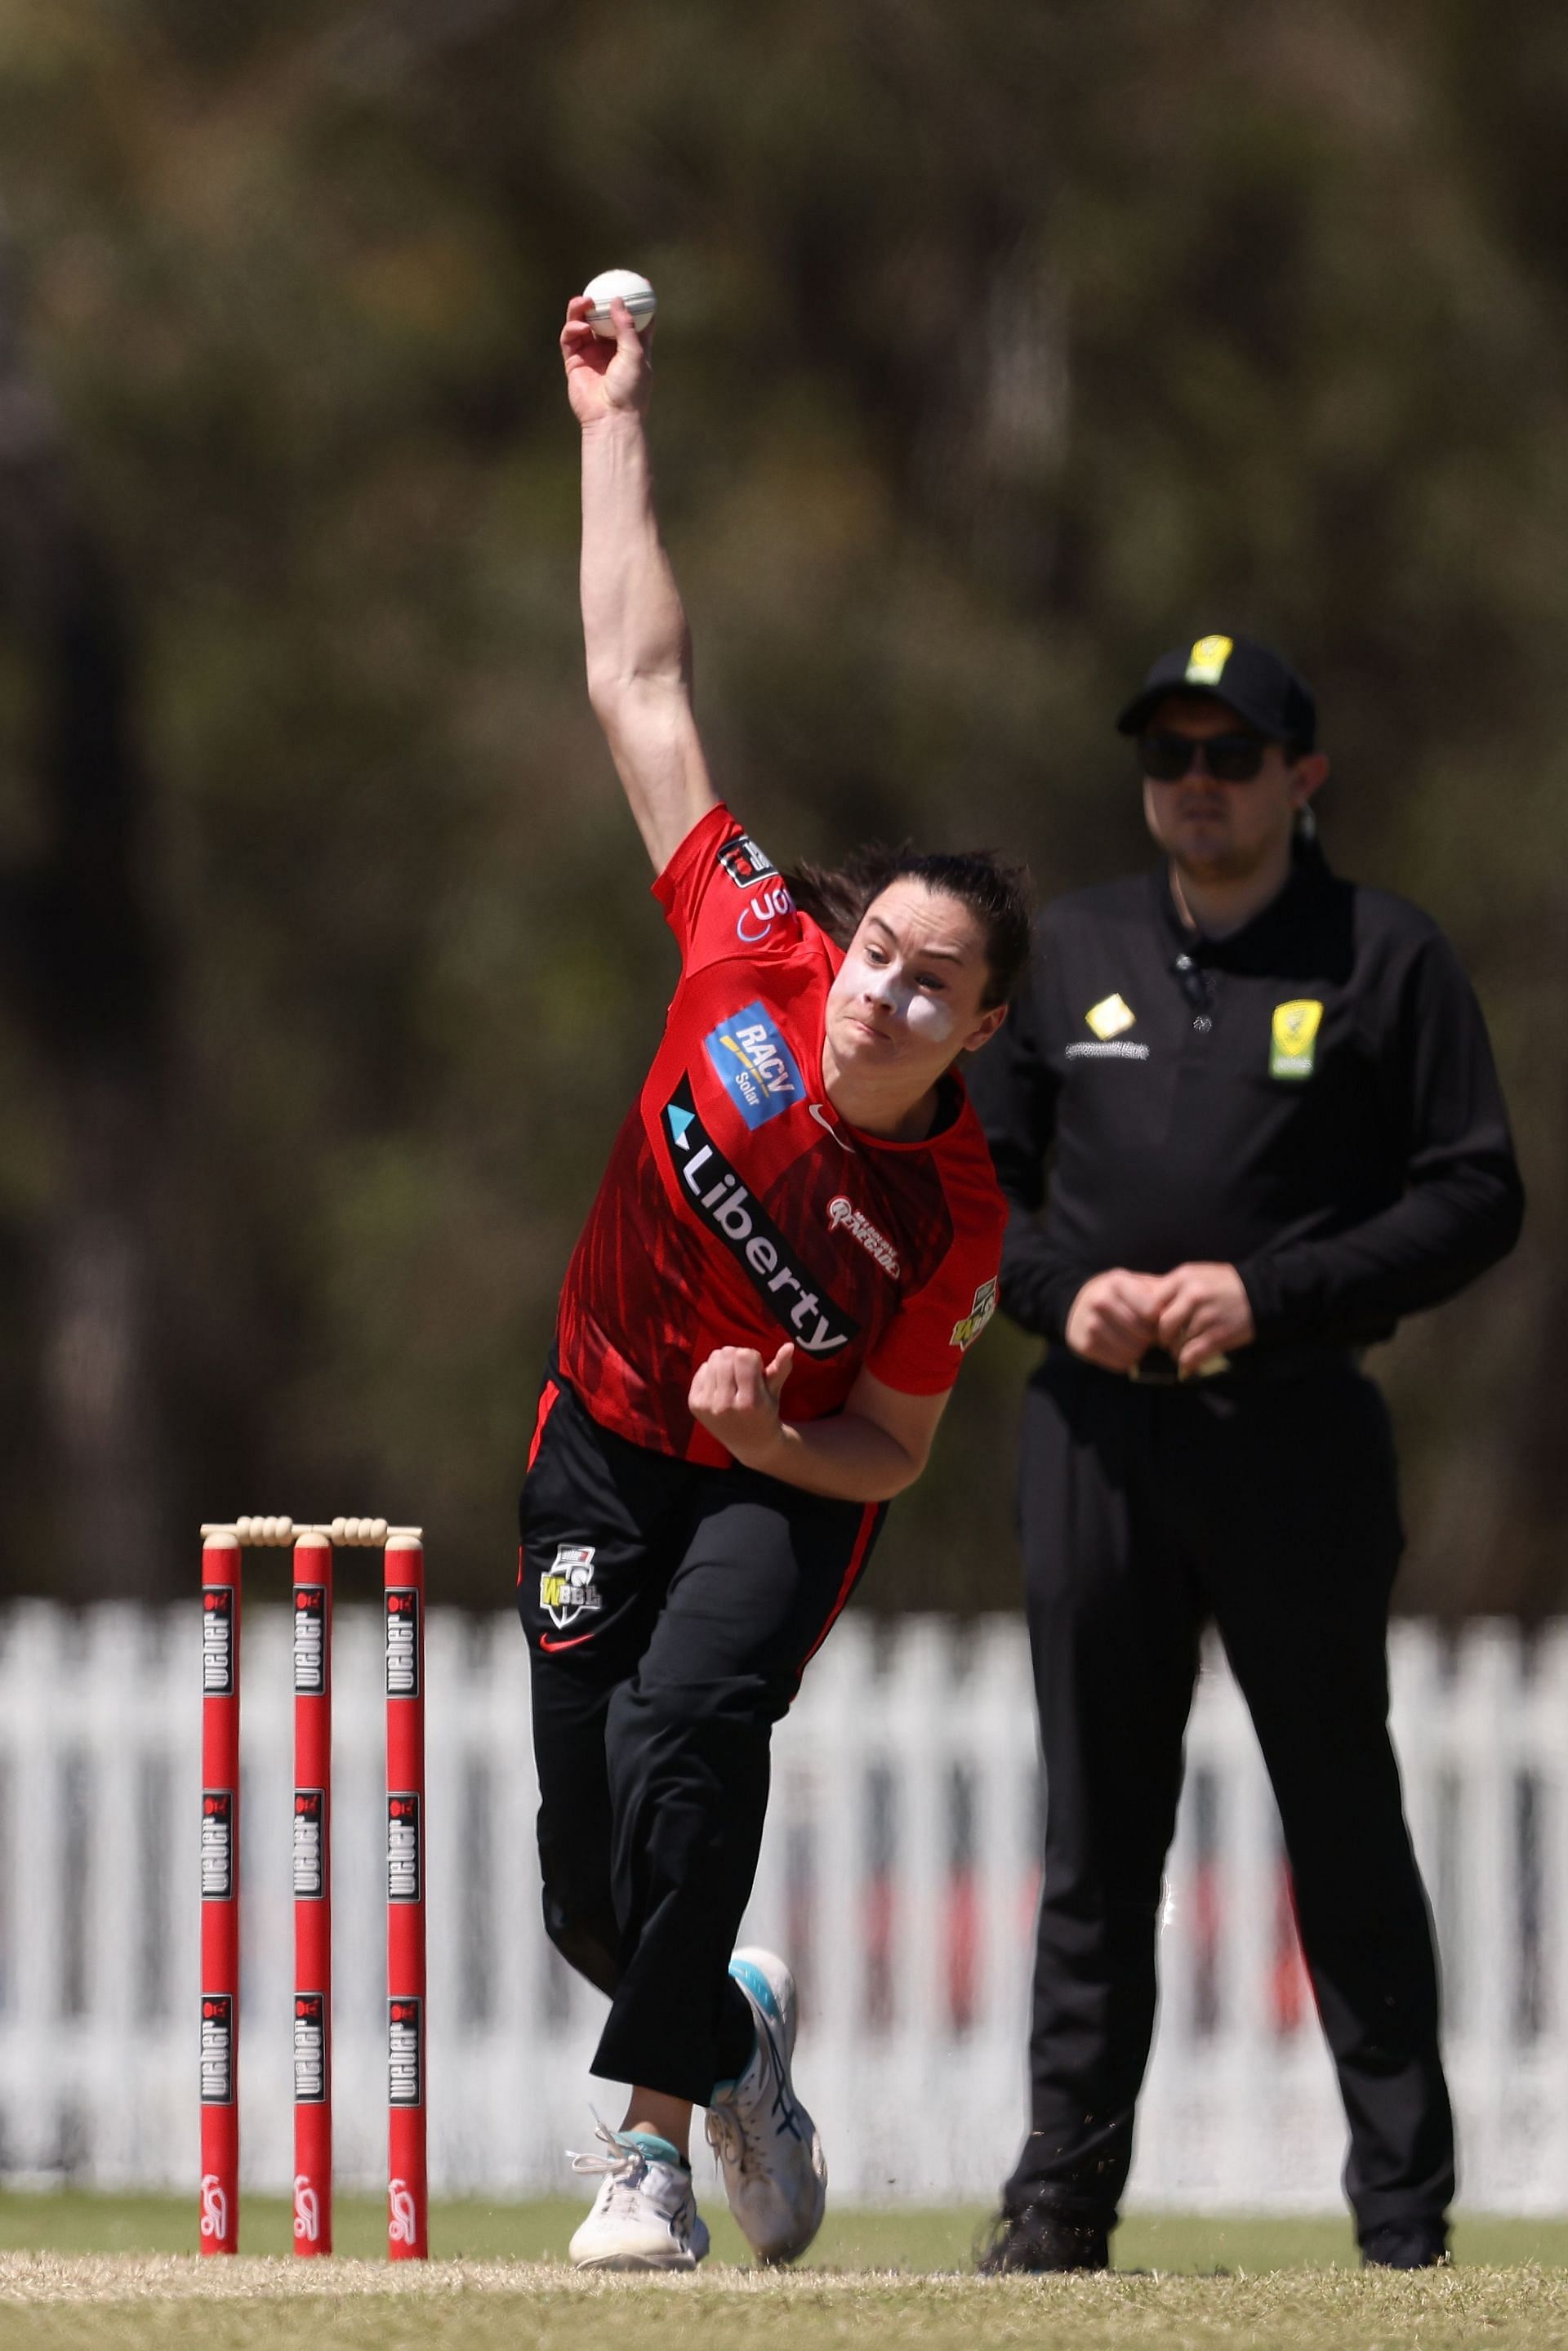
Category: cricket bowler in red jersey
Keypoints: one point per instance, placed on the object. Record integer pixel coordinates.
(796, 1241)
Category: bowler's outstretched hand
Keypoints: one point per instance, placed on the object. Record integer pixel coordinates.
(603, 378)
(735, 1395)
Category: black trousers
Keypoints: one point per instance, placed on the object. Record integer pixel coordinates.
(1270, 1505)
(670, 1611)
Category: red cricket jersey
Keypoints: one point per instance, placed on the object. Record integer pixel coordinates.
(738, 1209)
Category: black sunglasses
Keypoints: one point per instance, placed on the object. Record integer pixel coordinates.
(1229, 758)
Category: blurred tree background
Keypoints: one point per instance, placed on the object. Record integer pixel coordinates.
(1000, 347)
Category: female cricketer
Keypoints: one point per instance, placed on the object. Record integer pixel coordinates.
(796, 1239)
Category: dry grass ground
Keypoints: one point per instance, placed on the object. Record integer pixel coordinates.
(119, 2303)
(74, 2283)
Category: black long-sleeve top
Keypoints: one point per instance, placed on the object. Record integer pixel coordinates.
(1312, 1100)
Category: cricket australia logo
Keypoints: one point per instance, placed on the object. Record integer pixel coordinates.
(1293, 1038)
(567, 1589)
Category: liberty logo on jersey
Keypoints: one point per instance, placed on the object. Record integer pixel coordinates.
(787, 1287)
(756, 1067)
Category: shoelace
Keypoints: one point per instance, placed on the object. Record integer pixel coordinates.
(622, 2166)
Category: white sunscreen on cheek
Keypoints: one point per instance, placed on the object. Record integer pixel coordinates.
(930, 1019)
(926, 1016)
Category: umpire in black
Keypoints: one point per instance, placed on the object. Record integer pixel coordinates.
(1246, 1116)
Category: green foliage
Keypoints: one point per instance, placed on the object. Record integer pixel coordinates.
(999, 349)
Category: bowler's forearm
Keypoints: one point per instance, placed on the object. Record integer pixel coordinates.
(635, 638)
(633, 627)
(847, 1457)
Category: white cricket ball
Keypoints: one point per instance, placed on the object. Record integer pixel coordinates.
(634, 292)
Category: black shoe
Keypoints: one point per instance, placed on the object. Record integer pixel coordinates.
(1407, 2245)
(1035, 2239)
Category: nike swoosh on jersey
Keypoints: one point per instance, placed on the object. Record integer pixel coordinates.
(826, 1123)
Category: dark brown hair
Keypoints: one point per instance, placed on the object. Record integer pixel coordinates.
(997, 891)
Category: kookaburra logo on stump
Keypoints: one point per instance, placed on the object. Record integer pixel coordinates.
(567, 1589)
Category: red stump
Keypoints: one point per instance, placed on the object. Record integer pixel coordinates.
(312, 1896)
(408, 2219)
(220, 1895)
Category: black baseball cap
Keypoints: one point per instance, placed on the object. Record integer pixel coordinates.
(1251, 679)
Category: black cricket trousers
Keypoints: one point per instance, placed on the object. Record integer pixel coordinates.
(1270, 1505)
(670, 1611)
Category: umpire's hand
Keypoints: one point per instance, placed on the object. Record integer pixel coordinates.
(1114, 1320)
(1200, 1311)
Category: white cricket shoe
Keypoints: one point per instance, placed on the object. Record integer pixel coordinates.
(645, 2216)
(774, 2174)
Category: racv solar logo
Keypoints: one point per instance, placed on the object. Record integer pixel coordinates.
(792, 1294)
(756, 1067)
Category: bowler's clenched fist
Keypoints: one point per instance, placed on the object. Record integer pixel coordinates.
(735, 1395)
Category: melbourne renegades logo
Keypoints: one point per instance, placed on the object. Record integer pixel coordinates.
(217, 1640)
(217, 2048)
(217, 1845)
(402, 1641)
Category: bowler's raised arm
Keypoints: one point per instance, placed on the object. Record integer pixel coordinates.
(634, 630)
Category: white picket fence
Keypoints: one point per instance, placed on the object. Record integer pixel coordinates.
(899, 1874)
